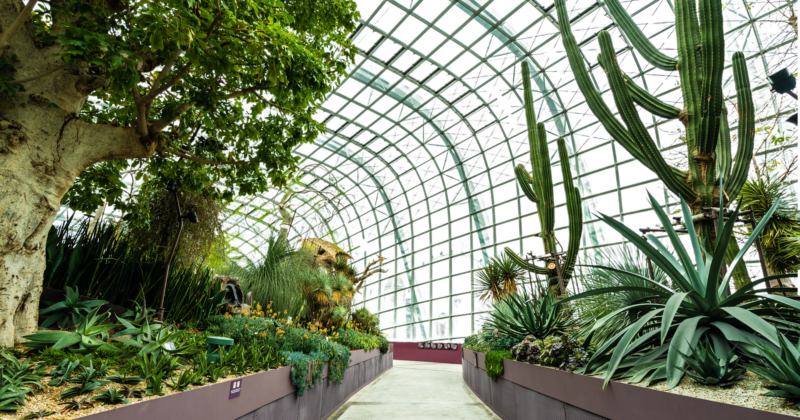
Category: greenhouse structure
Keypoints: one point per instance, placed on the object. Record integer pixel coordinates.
(360, 209)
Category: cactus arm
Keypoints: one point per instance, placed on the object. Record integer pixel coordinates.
(524, 264)
(649, 102)
(690, 70)
(634, 123)
(639, 40)
(723, 151)
(524, 181)
(574, 211)
(747, 126)
(713, 42)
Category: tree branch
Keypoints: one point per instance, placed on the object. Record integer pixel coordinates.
(155, 91)
(186, 155)
(7, 36)
(159, 125)
(39, 76)
(141, 116)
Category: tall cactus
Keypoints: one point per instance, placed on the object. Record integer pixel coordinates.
(701, 59)
(538, 187)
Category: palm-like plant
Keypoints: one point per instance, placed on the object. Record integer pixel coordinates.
(498, 279)
(696, 305)
(520, 315)
(625, 260)
(70, 311)
(272, 280)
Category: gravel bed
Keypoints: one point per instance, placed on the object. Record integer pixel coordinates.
(746, 393)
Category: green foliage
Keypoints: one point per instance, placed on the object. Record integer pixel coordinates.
(624, 261)
(494, 362)
(37, 415)
(475, 343)
(353, 339)
(123, 379)
(538, 188)
(711, 369)
(560, 351)
(63, 372)
(102, 263)
(77, 405)
(90, 336)
(517, 318)
(187, 378)
(153, 226)
(694, 306)
(70, 311)
(498, 279)
(782, 367)
(111, 397)
(248, 77)
(303, 366)
(780, 238)
(365, 320)
(151, 338)
(272, 280)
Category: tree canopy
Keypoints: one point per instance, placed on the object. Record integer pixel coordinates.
(225, 89)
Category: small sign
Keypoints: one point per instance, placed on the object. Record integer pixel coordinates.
(236, 389)
(169, 346)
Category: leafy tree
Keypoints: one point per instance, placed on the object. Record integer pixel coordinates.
(212, 93)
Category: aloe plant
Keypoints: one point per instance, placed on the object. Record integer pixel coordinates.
(70, 311)
(111, 397)
(538, 188)
(782, 367)
(90, 335)
(703, 113)
(693, 307)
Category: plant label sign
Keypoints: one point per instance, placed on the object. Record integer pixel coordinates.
(169, 346)
(236, 389)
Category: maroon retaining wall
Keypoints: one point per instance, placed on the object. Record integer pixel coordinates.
(264, 395)
(534, 392)
(410, 351)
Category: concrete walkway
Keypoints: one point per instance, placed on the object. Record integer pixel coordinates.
(416, 390)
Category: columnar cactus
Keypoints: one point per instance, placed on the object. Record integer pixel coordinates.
(538, 187)
(701, 59)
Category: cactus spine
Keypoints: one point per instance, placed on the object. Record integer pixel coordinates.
(538, 187)
(703, 115)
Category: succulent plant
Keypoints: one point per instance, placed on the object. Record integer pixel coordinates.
(561, 351)
(782, 368)
(90, 335)
(711, 369)
(69, 312)
(111, 397)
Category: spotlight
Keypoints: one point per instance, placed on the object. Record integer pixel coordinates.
(783, 82)
(171, 185)
(192, 216)
(792, 119)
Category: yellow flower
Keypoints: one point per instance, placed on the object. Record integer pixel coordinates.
(305, 335)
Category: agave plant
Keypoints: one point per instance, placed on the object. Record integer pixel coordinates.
(711, 369)
(34, 415)
(76, 405)
(695, 306)
(63, 372)
(781, 367)
(69, 312)
(12, 398)
(498, 279)
(151, 338)
(111, 397)
(90, 335)
(520, 315)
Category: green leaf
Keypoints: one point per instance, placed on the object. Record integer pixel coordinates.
(670, 309)
(619, 351)
(753, 321)
(67, 340)
(680, 344)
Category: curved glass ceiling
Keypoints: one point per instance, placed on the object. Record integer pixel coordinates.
(425, 131)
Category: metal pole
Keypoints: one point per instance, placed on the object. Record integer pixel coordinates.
(760, 250)
(160, 311)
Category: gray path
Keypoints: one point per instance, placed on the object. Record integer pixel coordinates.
(415, 390)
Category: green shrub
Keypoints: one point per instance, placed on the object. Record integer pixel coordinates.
(494, 362)
(366, 321)
(355, 340)
(475, 343)
(563, 352)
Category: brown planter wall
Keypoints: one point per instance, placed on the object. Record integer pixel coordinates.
(539, 393)
(264, 395)
(411, 351)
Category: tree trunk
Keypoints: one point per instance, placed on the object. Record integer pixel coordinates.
(44, 145)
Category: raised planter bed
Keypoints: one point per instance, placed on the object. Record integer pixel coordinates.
(264, 395)
(534, 392)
